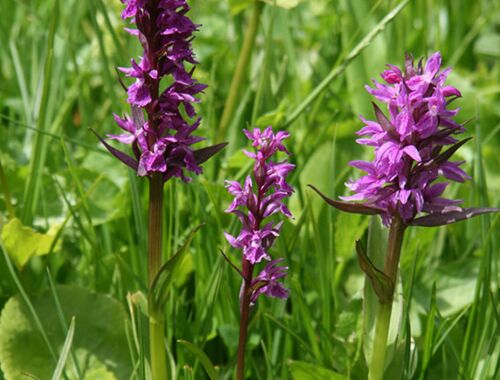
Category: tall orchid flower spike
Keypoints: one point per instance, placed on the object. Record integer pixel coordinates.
(160, 129)
(261, 196)
(414, 144)
(162, 143)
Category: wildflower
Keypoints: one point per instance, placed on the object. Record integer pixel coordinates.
(162, 143)
(413, 147)
(409, 144)
(261, 196)
(402, 181)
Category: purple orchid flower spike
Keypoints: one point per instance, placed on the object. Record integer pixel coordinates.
(161, 133)
(413, 144)
(413, 148)
(163, 142)
(260, 196)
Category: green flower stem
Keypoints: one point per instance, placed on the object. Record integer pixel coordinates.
(383, 319)
(156, 318)
(6, 193)
(241, 69)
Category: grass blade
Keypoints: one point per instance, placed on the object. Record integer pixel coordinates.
(65, 351)
(339, 70)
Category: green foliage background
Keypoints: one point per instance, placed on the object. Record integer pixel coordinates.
(57, 79)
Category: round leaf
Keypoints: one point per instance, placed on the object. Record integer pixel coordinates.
(99, 342)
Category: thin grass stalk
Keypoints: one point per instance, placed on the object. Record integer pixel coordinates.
(383, 318)
(156, 318)
(241, 69)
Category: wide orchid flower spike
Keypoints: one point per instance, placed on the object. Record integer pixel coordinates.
(259, 203)
(162, 142)
(413, 143)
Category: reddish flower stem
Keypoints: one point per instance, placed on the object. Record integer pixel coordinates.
(244, 317)
(158, 352)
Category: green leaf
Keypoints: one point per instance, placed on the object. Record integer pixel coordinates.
(161, 283)
(205, 361)
(306, 371)
(99, 342)
(22, 243)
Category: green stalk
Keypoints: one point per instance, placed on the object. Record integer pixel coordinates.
(383, 319)
(156, 318)
(241, 69)
(6, 193)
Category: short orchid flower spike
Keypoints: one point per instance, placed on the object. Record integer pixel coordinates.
(412, 164)
(259, 203)
(261, 196)
(413, 144)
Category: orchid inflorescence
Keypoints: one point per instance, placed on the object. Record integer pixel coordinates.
(162, 143)
(261, 196)
(403, 179)
(409, 143)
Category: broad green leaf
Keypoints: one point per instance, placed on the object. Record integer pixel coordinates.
(99, 342)
(161, 283)
(205, 361)
(306, 371)
(22, 243)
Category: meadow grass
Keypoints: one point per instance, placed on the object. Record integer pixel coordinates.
(307, 74)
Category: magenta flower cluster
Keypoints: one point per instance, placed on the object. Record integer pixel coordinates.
(261, 196)
(162, 143)
(409, 156)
